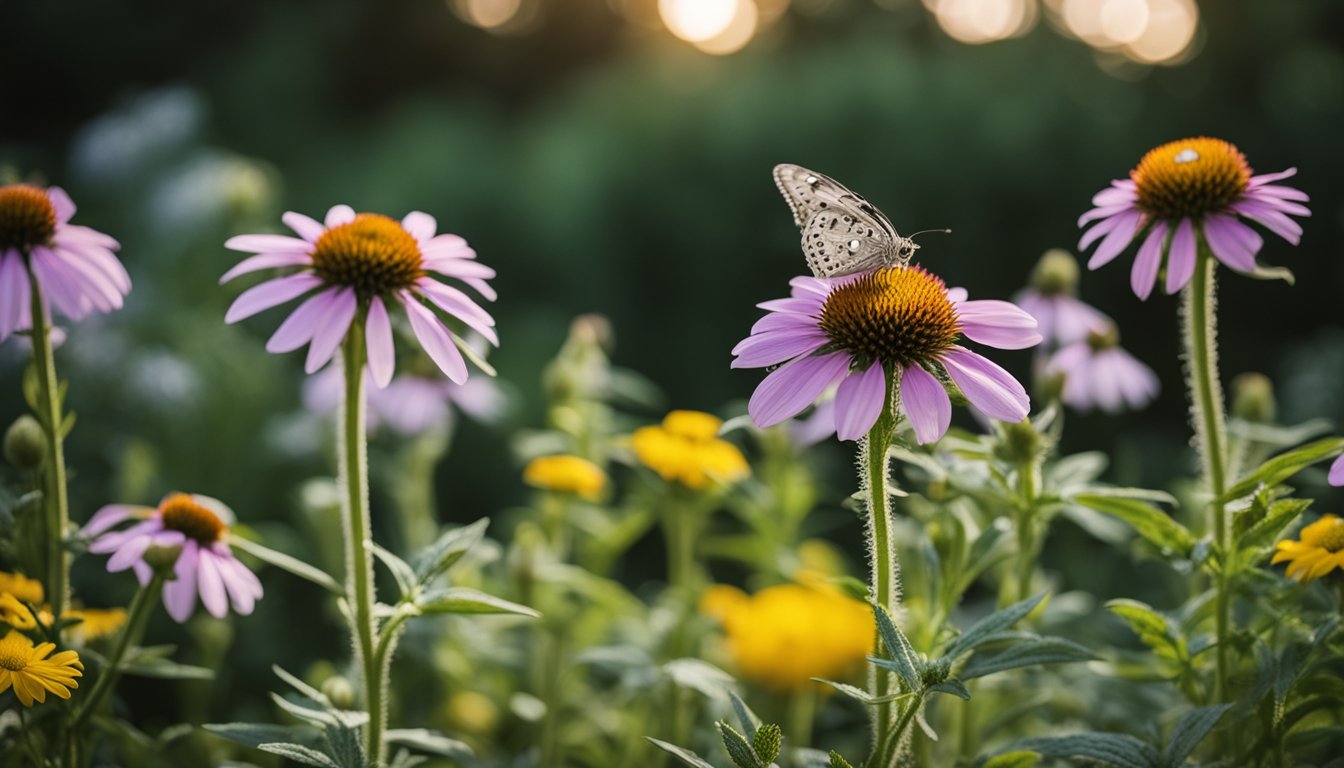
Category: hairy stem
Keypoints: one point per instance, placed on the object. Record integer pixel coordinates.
(137, 618)
(55, 496)
(873, 478)
(1026, 528)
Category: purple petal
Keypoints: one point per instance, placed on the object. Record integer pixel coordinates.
(60, 200)
(1266, 178)
(338, 215)
(179, 595)
(1181, 256)
(269, 294)
(268, 244)
(1106, 211)
(211, 585)
(778, 321)
(1113, 195)
(1143, 276)
(925, 403)
(435, 340)
(1282, 194)
(988, 387)
(331, 329)
(1126, 228)
(419, 225)
(74, 233)
(243, 586)
(306, 226)
(460, 306)
(459, 268)
(1336, 476)
(998, 324)
(15, 293)
(1106, 226)
(265, 261)
(382, 352)
(1272, 219)
(797, 306)
(1075, 319)
(108, 516)
(859, 401)
(481, 287)
(775, 347)
(302, 323)
(1234, 243)
(128, 553)
(793, 386)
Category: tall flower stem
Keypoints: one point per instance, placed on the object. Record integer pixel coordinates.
(873, 451)
(354, 470)
(1206, 399)
(137, 618)
(55, 496)
(1026, 528)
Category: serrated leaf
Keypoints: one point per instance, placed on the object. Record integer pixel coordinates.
(767, 742)
(466, 600)
(1154, 525)
(1046, 650)
(447, 550)
(1000, 620)
(750, 722)
(1285, 465)
(400, 569)
(686, 756)
(1189, 731)
(1280, 515)
(738, 749)
(299, 754)
(431, 742)
(287, 563)
(1117, 749)
(839, 762)
(903, 660)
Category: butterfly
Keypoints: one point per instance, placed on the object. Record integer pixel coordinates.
(842, 232)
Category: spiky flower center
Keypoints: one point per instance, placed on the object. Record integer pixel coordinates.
(15, 650)
(372, 254)
(183, 513)
(27, 217)
(1190, 177)
(896, 315)
(1326, 533)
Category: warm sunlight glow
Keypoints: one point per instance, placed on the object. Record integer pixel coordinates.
(1171, 29)
(698, 21)
(738, 32)
(1124, 21)
(487, 14)
(982, 21)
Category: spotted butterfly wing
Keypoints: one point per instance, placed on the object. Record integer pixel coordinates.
(842, 232)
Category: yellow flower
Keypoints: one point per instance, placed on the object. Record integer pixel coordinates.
(32, 674)
(570, 474)
(1318, 550)
(783, 636)
(686, 449)
(26, 589)
(15, 613)
(97, 622)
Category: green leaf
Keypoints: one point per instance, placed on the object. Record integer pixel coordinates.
(447, 550)
(1020, 758)
(699, 675)
(1045, 650)
(1154, 630)
(299, 754)
(1262, 272)
(287, 563)
(951, 686)
(1154, 525)
(750, 722)
(1190, 730)
(430, 742)
(686, 756)
(1116, 749)
(401, 570)
(860, 695)
(738, 749)
(255, 734)
(839, 762)
(476, 358)
(1278, 516)
(465, 600)
(165, 669)
(300, 686)
(1139, 494)
(1285, 465)
(995, 622)
(767, 742)
(903, 660)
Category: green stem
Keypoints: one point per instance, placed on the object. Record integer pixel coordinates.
(137, 618)
(1206, 395)
(875, 482)
(802, 711)
(55, 497)
(892, 748)
(552, 657)
(681, 524)
(354, 470)
(1026, 528)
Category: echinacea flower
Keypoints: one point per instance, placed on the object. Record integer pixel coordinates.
(355, 265)
(74, 265)
(1318, 550)
(1099, 374)
(686, 449)
(567, 474)
(32, 674)
(1184, 189)
(785, 635)
(412, 403)
(1051, 298)
(898, 322)
(205, 566)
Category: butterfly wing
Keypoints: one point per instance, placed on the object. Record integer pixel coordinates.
(841, 240)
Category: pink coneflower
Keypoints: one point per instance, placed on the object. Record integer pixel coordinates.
(74, 265)
(206, 565)
(411, 403)
(1051, 298)
(898, 322)
(357, 264)
(1179, 190)
(1099, 374)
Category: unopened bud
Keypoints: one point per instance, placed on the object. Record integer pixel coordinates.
(162, 557)
(1020, 443)
(25, 443)
(339, 690)
(1253, 398)
(1056, 272)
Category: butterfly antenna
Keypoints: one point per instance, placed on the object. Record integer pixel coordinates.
(926, 231)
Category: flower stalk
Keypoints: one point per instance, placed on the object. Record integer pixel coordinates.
(873, 451)
(55, 499)
(354, 472)
(137, 618)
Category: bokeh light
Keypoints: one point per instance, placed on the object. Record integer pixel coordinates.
(1148, 31)
(698, 21)
(984, 21)
(487, 14)
(738, 32)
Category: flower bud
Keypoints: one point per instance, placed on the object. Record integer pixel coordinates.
(1055, 273)
(1253, 398)
(162, 558)
(339, 690)
(1019, 443)
(25, 443)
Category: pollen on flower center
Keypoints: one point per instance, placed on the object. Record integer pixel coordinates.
(14, 652)
(27, 217)
(183, 513)
(1327, 533)
(372, 254)
(1190, 177)
(896, 315)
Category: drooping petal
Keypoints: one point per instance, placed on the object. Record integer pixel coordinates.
(859, 401)
(211, 585)
(331, 330)
(1268, 178)
(435, 340)
(998, 324)
(775, 347)
(61, 202)
(1105, 211)
(419, 225)
(305, 226)
(268, 244)
(243, 587)
(1181, 256)
(110, 515)
(1232, 242)
(926, 404)
(988, 386)
(460, 268)
(302, 323)
(1273, 220)
(382, 351)
(1143, 276)
(179, 595)
(1127, 226)
(460, 305)
(269, 294)
(793, 386)
(129, 552)
(266, 261)
(14, 293)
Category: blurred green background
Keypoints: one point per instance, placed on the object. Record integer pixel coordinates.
(601, 164)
